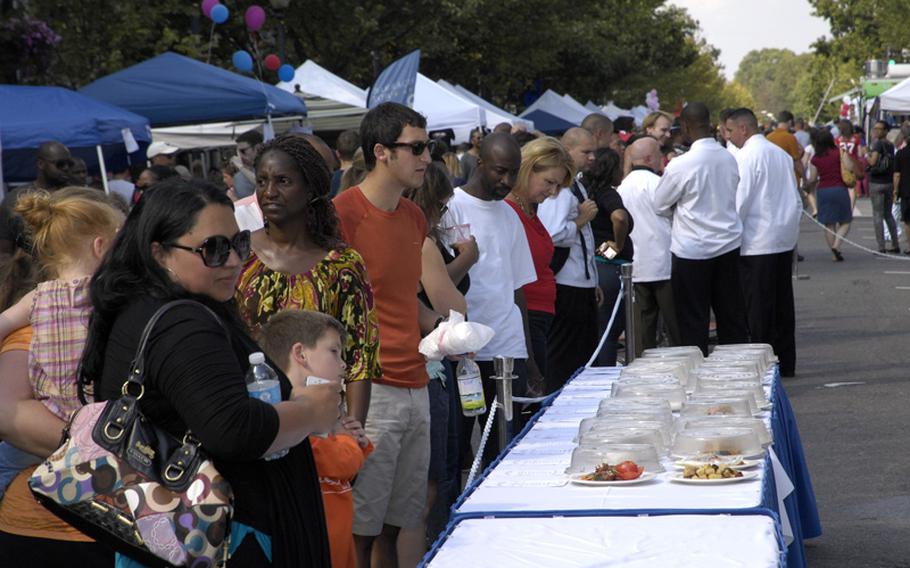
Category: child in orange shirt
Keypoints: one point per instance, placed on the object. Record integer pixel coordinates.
(309, 344)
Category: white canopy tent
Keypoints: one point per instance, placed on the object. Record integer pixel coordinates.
(577, 105)
(493, 114)
(897, 98)
(318, 81)
(554, 104)
(613, 112)
(217, 134)
(445, 109)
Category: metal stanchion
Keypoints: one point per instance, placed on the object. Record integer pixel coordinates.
(796, 274)
(625, 272)
(503, 375)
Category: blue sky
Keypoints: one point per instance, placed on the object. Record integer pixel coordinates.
(739, 26)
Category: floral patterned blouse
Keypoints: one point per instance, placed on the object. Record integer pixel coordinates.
(337, 286)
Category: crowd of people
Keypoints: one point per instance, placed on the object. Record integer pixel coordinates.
(336, 262)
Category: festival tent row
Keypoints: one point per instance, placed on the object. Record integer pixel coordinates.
(91, 129)
(493, 114)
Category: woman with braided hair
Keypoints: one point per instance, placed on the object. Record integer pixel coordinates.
(299, 261)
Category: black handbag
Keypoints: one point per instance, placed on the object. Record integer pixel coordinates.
(128, 483)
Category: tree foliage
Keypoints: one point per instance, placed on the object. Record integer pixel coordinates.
(771, 75)
(593, 49)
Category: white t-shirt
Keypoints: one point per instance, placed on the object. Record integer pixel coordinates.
(767, 199)
(122, 188)
(651, 233)
(699, 190)
(504, 266)
(558, 214)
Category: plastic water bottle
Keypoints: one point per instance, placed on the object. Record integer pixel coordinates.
(470, 388)
(262, 383)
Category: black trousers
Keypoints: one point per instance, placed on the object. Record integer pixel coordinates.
(573, 334)
(700, 286)
(767, 281)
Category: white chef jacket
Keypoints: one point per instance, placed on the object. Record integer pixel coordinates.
(767, 199)
(699, 190)
(651, 234)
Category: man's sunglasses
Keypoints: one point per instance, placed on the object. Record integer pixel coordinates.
(417, 148)
(216, 250)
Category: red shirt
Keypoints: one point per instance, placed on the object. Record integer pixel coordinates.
(828, 166)
(850, 145)
(540, 295)
(391, 244)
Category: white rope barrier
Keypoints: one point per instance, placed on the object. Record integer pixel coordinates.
(478, 457)
(888, 256)
(603, 338)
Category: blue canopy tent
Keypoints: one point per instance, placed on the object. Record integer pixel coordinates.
(171, 90)
(30, 116)
(548, 123)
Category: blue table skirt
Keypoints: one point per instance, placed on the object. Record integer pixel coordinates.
(800, 505)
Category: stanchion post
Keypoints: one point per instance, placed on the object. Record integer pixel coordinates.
(625, 272)
(503, 368)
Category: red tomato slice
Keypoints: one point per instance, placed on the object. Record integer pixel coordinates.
(628, 470)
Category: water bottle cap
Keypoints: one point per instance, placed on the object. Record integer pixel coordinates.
(257, 358)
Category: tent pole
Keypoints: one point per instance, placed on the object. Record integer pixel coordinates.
(107, 190)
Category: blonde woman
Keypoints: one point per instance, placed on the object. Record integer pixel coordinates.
(657, 125)
(546, 167)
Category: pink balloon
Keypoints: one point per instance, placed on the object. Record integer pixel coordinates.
(254, 17)
(272, 62)
(207, 6)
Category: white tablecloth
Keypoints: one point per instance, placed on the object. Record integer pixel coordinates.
(531, 477)
(699, 541)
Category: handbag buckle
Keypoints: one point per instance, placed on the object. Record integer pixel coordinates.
(171, 476)
(113, 437)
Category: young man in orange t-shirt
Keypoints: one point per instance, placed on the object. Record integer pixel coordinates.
(388, 231)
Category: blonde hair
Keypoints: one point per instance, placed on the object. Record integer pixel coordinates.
(651, 119)
(284, 329)
(59, 223)
(453, 164)
(542, 154)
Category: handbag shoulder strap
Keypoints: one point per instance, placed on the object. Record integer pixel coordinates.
(137, 368)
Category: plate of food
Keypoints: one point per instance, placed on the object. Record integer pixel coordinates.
(734, 462)
(712, 474)
(626, 473)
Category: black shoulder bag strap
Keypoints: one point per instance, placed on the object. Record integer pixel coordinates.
(561, 254)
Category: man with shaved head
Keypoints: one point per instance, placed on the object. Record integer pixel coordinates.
(698, 189)
(495, 297)
(769, 205)
(53, 163)
(567, 217)
(650, 264)
(601, 127)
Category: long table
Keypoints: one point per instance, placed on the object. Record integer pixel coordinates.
(529, 478)
(629, 541)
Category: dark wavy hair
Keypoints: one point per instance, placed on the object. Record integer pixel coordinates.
(605, 173)
(129, 270)
(319, 218)
(431, 195)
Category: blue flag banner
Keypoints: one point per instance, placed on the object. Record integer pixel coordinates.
(396, 82)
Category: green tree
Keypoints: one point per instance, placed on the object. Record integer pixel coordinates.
(771, 75)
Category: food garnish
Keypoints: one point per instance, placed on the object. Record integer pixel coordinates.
(710, 471)
(626, 471)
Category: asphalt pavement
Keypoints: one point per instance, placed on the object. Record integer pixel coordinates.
(851, 396)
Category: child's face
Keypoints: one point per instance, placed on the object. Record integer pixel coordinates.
(324, 360)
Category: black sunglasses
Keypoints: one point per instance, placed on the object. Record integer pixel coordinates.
(216, 250)
(417, 148)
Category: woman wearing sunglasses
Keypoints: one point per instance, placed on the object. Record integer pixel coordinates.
(181, 241)
(299, 262)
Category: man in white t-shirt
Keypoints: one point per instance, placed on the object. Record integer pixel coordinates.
(769, 205)
(699, 190)
(495, 297)
(651, 263)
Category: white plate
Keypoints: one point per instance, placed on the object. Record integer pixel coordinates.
(746, 464)
(646, 476)
(747, 475)
(759, 456)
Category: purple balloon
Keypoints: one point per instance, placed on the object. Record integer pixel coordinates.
(254, 17)
(207, 6)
